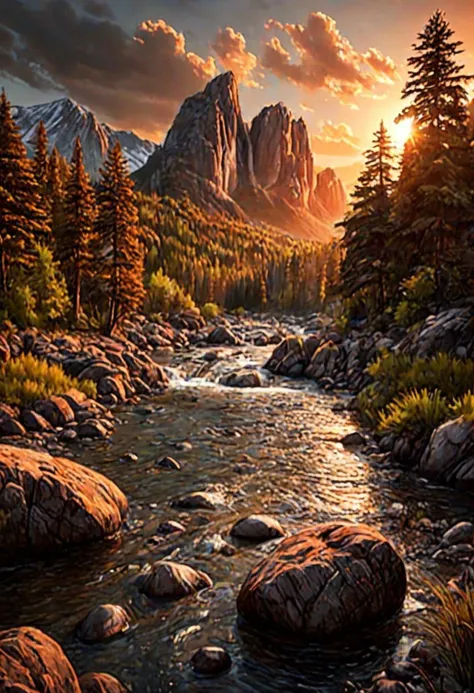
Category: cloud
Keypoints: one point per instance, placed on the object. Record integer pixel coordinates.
(98, 8)
(326, 59)
(306, 108)
(137, 81)
(336, 140)
(231, 50)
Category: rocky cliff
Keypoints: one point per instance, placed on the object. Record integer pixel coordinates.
(265, 174)
(65, 120)
(330, 194)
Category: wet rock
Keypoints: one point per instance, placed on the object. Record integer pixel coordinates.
(257, 528)
(31, 662)
(388, 686)
(170, 527)
(35, 422)
(320, 582)
(354, 439)
(69, 435)
(100, 683)
(103, 623)
(168, 463)
(49, 502)
(199, 500)
(449, 457)
(211, 661)
(92, 429)
(129, 457)
(403, 671)
(462, 533)
(223, 335)
(97, 371)
(173, 581)
(112, 386)
(242, 378)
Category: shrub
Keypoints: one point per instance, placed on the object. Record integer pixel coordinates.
(210, 311)
(464, 406)
(164, 295)
(416, 413)
(26, 379)
(449, 627)
(419, 290)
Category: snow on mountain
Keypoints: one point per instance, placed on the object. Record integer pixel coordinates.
(65, 120)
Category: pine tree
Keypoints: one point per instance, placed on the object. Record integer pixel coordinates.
(22, 219)
(433, 204)
(55, 191)
(367, 226)
(121, 256)
(41, 159)
(74, 242)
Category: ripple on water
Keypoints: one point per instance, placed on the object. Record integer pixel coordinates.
(273, 450)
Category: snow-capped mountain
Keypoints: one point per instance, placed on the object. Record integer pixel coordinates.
(65, 120)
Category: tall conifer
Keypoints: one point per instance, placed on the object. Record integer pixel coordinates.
(367, 226)
(22, 219)
(121, 257)
(74, 242)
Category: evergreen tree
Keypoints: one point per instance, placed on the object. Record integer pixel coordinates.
(367, 226)
(433, 203)
(74, 242)
(55, 191)
(41, 159)
(121, 256)
(21, 215)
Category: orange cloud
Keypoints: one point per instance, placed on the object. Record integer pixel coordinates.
(336, 140)
(326, 59)
(230, 47)
(306, 108)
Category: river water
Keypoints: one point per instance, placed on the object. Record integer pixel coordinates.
(274, 450)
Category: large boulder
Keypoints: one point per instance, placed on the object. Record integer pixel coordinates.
(31, 662)
(223, 335)
(102, 623)
(257, 528)
(289, 358)
(450, 331)
(449, 457)
(48, 502)
(325, 581)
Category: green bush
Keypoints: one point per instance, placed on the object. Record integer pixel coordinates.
(26, 379)
(415, 413)
(210, 311)
(165, 296)
(449, 627)
(419, 290)
(40, 298)
(414, 395)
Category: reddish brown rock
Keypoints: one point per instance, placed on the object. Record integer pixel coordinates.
(47, 502)
(31, 662)
(325, 581)
(211, 661)
(257, 528)
(173, 580)
(101, 683)
(331, 194)
(66, 412)
(34, 422)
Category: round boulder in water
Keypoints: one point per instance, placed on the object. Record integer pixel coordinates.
(103, 623)
(325, 581)
(211, 661)
(257, 528)
(173, 580)
(101, 683)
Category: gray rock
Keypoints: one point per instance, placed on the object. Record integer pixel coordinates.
(354, 439)
(449, 457)
(242, 378)
(168, 463)
(462, 533)
(92, 429)
(35, 422)
(169, 527)
(199, 500)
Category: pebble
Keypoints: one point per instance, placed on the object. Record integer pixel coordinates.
(211, 661)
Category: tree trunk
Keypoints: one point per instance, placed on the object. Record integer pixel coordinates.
(77, 296)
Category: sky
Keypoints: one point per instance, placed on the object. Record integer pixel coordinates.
(339, 64)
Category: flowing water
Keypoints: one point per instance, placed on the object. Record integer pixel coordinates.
(274, 450)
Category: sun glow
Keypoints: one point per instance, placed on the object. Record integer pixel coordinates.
(401, 132)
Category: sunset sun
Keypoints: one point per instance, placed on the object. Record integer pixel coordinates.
(401, 132)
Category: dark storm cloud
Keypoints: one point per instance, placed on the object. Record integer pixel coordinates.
(96, 8)
(135, 81)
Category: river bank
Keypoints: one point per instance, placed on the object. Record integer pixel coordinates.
(276, 450)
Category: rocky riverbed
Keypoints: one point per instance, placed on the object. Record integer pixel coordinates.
(271, 450)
